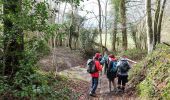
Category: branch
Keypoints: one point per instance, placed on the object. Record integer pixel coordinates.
(132, 1)
(166, 43)
(98, 44)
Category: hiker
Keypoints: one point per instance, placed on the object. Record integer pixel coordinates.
(100, 59)
(122, 74)
(95, 75)
(104, 60)
(112, 71)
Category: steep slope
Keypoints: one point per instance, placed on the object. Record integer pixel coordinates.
(151, 77)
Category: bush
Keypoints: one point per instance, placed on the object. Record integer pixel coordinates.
(86, 42)
(36, 86)
(28, 83)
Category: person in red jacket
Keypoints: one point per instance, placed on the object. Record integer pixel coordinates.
(95, 76)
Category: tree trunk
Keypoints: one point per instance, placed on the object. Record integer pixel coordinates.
(64, 12)
(115, 32)
(60, 40)
(133, 30)
(123, 23)
(100, 27)
(160, 21)
(156, 20)
(13, 38)
(70, 36)
(106, 22)
(114, 37)
(150, 40)
(116, 9)
(71, 26)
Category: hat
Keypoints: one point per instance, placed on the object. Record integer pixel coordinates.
(111, 56)
(97, 55)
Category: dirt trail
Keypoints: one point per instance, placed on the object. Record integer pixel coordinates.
(103, 92)
(66, 60)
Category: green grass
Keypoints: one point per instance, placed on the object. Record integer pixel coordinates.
(151, 77)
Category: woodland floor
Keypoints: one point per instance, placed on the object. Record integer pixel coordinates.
(72, 66)
(64, 59)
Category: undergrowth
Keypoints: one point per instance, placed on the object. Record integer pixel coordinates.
(29, 83)
(151, 77)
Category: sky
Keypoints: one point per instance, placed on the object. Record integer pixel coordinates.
(89, 10)
(134, 13)
(92, 6)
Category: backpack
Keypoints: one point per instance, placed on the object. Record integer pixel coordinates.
(91, 67)
(124, 66)
(104, 60)
(113, 68)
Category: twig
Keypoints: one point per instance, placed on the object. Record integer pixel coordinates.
(166, 43)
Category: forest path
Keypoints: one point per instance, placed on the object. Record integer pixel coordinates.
(103, 92)
(66, 62)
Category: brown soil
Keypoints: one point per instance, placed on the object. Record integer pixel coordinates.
(79, 80)
(64, 58)
(103, 92)
(80, 87)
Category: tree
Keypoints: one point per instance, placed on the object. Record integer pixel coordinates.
(150, 40)
(13, 37)
(160, 21)
(72, 27)
(100, 23)
(123, 24)
(154, 35)
(156, 20)
(115, 3)
(105, 18)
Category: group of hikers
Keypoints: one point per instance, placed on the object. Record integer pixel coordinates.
(113, 68)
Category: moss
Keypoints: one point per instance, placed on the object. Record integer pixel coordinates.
(166, 93)
(151, 76)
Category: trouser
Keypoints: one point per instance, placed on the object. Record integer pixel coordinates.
(122, 80)
(105, 68)
(94, 84)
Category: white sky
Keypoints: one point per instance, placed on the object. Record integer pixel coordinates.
(92, 6)
(133, 13)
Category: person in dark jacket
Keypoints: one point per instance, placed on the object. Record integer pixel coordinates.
(111, 75)
(123, 69)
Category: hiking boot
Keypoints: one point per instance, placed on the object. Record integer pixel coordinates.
(93, 94)
(123, 89)
(115, 90)
(119, 91)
